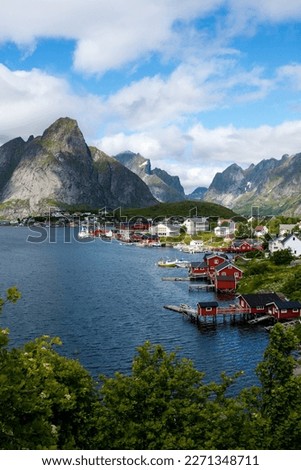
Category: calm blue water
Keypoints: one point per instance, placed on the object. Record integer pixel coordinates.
(103, 300)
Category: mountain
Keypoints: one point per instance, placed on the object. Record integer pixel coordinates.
(164, 187)
(197, 194)
(59, 169)
(272, 185)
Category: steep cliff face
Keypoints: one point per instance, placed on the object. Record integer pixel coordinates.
(125, 188)
(57, 168)
(272, 185)
(198, 194)
(164, 187)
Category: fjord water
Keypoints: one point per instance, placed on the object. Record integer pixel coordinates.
(104, 299)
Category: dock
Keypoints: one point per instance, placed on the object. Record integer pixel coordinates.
(202, 313)
(259, 319)
(184, 309)
(175, 279)
(206, 287)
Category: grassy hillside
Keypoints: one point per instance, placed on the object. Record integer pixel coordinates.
(182, 209)
(261, 275)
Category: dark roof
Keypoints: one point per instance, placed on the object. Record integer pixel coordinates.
(239, 242)
(260, 300)
(291, 235)
(211, 255)
(207, 304)
(284, 304)
(196, 264)
(224, 265)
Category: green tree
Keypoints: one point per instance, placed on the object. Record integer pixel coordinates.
(12, 296)
(51, 402)
(164, 404)
(47, 401)
(292, 287)
(279, 395)
(282, 257)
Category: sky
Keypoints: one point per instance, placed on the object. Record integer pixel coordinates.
(193, 85)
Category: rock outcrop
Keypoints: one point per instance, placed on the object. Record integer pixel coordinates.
(59, 169)
(164, 187)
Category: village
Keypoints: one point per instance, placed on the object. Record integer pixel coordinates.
(223, 276)
(219, 244)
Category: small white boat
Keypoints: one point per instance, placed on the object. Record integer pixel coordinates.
(167, 263)
(155, 244)
(182, 263)
(84, 232)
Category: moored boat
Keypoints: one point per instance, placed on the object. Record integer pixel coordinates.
(167, 263)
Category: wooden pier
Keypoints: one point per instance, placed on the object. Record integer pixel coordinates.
(195, 315)
(260, 319)
(206, 287)
(185, 309)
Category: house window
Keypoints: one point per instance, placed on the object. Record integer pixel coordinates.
(208, 309)
(260, 308)
(236, 274)
(283, 310)
(295, 310)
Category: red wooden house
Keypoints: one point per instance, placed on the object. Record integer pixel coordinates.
(207, 308)
(284, 309)
(213, 260)
(257, 304)
(228, 269)
(225, 283)
(198, 269)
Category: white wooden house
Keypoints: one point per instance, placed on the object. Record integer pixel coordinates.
(194, 225)
(291, 242)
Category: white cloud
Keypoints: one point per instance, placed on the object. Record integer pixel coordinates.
(290, 74)
(245, 146)
(272, 10)
(191, 89)
(32, 100)
(108, 34)
(158, 116)
(200, 153)
(155, 100)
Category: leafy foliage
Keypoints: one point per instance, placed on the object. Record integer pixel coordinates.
(51, 402)
(182, 208)
(164, 404)
(281, 257)
(264, 275)
(48, 401)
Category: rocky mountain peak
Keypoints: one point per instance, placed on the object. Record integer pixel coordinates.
(272, 185)
(58, 168)
(164, 187)
(64, 136)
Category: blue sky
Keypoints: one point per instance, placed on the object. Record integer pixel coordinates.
(194, 85)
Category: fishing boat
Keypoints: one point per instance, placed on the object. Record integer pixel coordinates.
(84, 232)
(167, 263)
(182, 263)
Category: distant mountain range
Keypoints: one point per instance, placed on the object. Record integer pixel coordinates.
(164, 188)
(58, 169)
(274, 186)
(198, 194)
